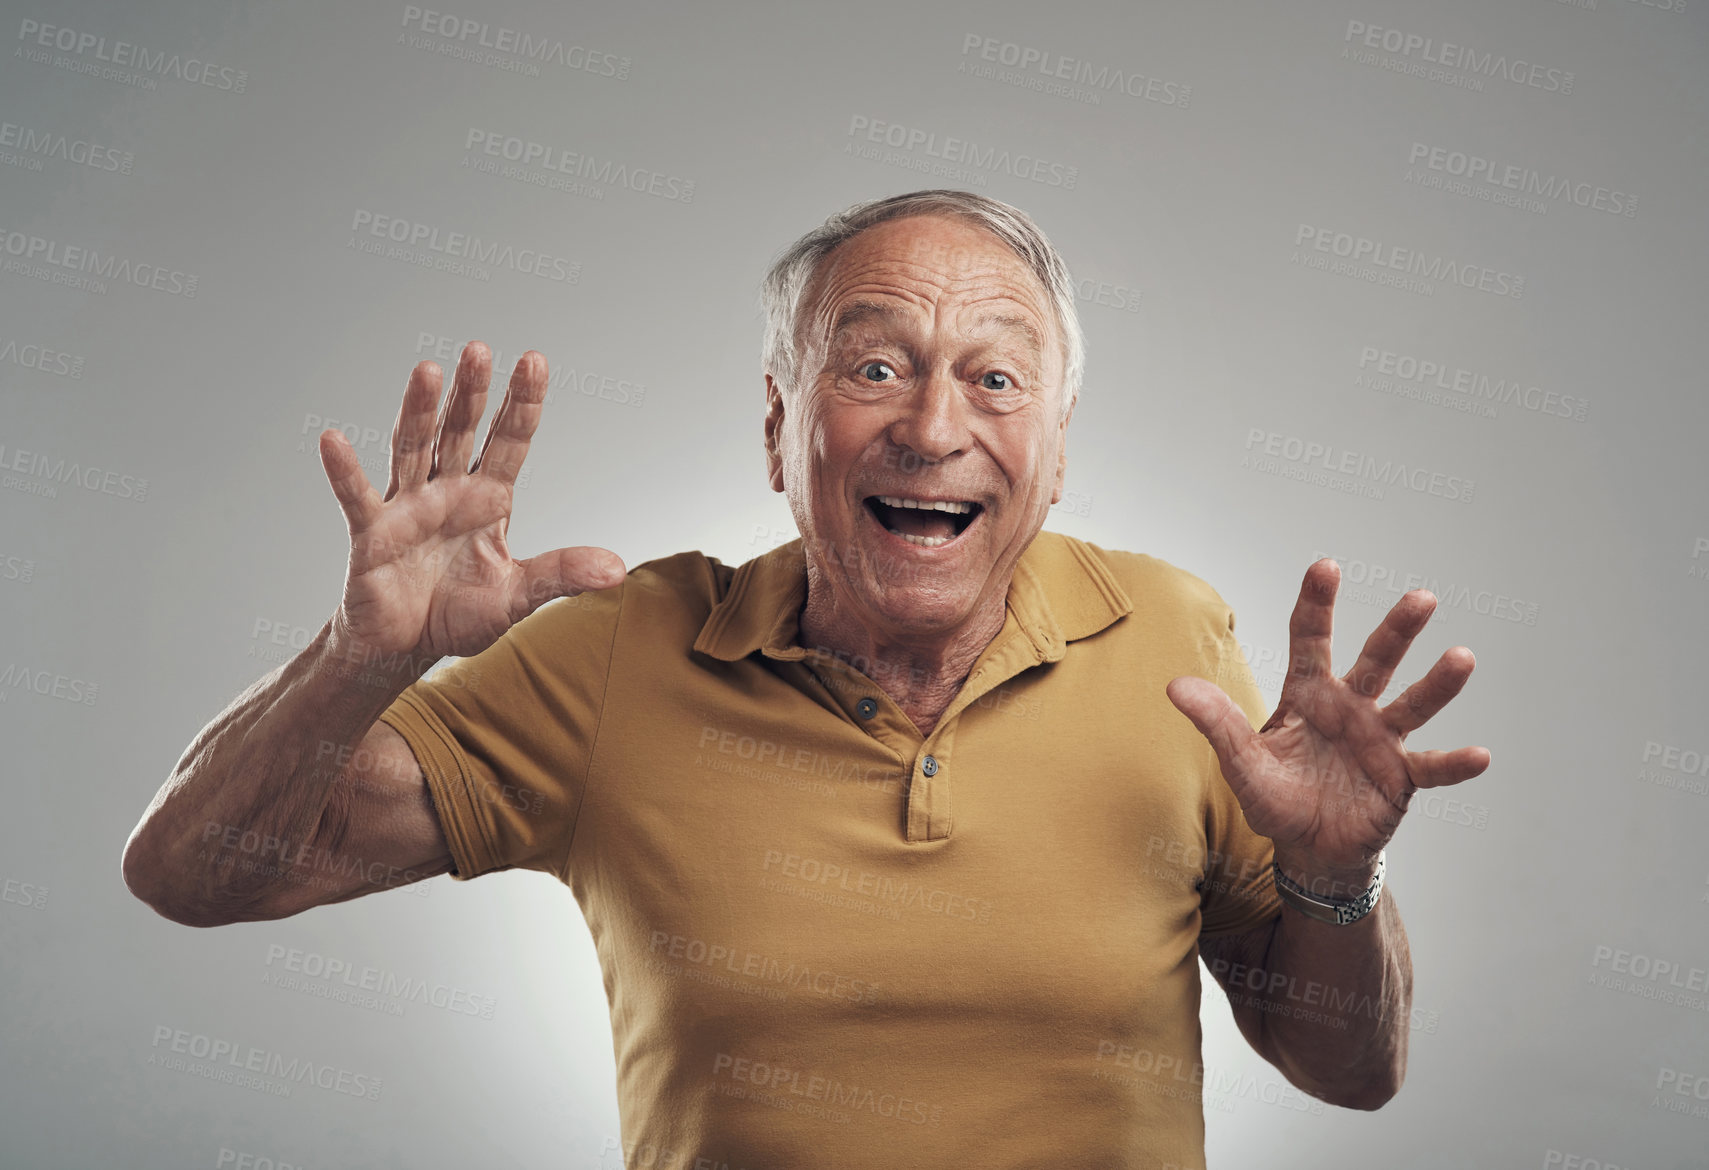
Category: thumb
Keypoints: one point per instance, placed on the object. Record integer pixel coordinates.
(565, 572)
(1220, 720)
(356, 496)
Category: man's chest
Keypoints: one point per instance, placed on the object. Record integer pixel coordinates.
(757, 853)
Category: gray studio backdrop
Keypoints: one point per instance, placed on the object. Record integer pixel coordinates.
(1417, 287)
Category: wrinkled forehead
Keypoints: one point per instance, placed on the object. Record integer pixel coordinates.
(926, 262)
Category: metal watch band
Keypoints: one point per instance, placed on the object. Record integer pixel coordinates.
(1330, 910)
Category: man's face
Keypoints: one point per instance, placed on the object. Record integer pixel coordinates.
(923, 444)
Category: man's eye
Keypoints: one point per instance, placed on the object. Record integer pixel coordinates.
(867, 372)
(1002, 381)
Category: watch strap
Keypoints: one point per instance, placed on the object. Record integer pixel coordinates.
(1336, 912)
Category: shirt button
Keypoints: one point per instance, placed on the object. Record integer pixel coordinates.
(867, 708)
(929, 765)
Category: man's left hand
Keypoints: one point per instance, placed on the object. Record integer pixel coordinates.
(1328, 777)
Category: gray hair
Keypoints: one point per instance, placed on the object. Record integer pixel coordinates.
(790, 273)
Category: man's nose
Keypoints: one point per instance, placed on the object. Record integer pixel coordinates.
(933, 422)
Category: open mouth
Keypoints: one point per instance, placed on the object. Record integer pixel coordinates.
(929, 523)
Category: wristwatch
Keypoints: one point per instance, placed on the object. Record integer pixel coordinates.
(1334, 911)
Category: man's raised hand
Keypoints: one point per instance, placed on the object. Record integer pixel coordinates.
(430, 572)
(1328, 777)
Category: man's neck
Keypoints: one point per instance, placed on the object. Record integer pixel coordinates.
(922, 675)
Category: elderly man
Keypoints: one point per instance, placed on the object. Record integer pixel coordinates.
(893, 841)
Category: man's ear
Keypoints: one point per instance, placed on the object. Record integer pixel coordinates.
(773, 429)
(1062, 455)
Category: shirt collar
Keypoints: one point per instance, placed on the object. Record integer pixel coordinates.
(1061, 590)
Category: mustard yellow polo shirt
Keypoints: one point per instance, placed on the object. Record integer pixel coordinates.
(828, 942)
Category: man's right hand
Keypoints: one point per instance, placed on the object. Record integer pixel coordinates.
(430, 574)
(430, 571)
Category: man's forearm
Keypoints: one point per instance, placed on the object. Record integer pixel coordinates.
(1340, 1029)
(262, 771)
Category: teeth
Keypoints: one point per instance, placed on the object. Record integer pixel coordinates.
(928, 541)
(957, 506)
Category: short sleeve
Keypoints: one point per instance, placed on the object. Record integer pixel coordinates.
(1239, 893)
(505, 738)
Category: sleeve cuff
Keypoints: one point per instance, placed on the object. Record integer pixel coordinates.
(1247, 896)
(451, 781)
(1266, 905)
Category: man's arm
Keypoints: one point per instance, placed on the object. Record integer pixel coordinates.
(1328, 778)
(295, 795)
(1327, 1005)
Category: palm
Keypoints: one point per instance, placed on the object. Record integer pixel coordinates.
(1328, 776)
(398, 595)
(1331, 771)
(430, 570)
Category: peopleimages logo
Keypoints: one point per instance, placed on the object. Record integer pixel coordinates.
(558, 168)
(1377, 364)
(47, 683)
(1647, 977)
(1385, 259)
(31, 356)
(226, 1060)
(117, 56)
(453, 251)
(1521, 186)
(1054, 67)
(1383, 585)
(38, 144)
(922, 146)
(82, 267)
(563, 376)
(42, 474)
(320, 974)
(488, 44)
(1331, 466)
(1560, 1160)
(814, 1094)
(739, 960)
(896, 895)
(1361, 41)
